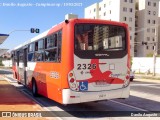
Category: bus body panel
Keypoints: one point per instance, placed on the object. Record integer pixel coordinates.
(72, 97)
(52, 79)
(105, 76)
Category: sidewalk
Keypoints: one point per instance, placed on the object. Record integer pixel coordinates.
(147, 78)
(13, 100)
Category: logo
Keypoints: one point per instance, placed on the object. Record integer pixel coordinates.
(83, 86)
(6, 114)
(101, 55)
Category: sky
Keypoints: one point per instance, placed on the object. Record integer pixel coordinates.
(14, 15)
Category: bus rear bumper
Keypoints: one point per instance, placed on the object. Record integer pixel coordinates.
(71, 97)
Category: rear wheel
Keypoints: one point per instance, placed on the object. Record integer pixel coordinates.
(131, 79)
(34, 89)
(18, 82)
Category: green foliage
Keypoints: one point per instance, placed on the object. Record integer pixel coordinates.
(150, 55)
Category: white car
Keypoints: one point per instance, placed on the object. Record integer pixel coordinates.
(132, 75)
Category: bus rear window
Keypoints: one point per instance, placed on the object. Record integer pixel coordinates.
(99, 37)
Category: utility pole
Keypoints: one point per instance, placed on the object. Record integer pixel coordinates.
(155, 52)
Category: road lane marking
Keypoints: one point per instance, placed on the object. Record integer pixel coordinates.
(141, 109)
(144, 95)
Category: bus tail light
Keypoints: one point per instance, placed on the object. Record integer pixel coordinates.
(70, 74)
(127, 81)
(72, 81)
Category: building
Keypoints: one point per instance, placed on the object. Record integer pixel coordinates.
(146, 27)
(6, 55)
(115, 10)
(158, 51)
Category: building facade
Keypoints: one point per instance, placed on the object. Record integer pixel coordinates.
(115, 10)
(142, 17)
(147, 27)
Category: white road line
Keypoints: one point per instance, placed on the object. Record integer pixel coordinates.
(153, 87)
(145, 95)
(143, 84)
(147, 85)
(141, 109)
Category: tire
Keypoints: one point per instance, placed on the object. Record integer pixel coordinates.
(131, 79)
(34, 89)
(18, 82)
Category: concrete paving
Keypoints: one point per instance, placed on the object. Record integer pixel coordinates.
(12, 99)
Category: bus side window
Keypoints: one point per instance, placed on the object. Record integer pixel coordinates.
(55, 40)
(36, 46)
(50, 55)
(45, 43)
(59, 45)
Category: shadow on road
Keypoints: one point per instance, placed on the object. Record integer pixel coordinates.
(5, 71)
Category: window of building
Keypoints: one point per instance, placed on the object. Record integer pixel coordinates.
(130, 28)
(153, 39)
(104, 13)
(148, 29)
(131, 1)
(124, 9)
(147, 47)
(125, 0)
(148, 38)
(104, 5)
(94, 10)
(154, 4)
(149, 12)
(153, 47)
(153, 30)
(154, 12)
(110, 11)
(130, 9)
(130, 19)
(154, 22)
(149, 3)
(124, 18)
(149, 21)
(100, 9)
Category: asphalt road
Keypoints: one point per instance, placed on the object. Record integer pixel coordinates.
(144, 98)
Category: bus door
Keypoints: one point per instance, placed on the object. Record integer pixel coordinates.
(17, 65)
(25, 66)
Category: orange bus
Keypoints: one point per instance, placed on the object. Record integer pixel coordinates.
(78, 60)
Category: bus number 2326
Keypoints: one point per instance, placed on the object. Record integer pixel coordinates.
(86, 66)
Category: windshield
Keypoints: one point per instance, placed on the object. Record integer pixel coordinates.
(99, 37)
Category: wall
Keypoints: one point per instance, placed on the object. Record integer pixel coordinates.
(7, 63)
(143, 64)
